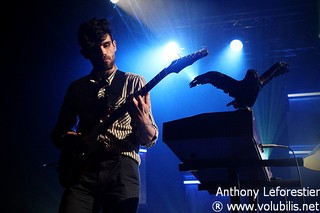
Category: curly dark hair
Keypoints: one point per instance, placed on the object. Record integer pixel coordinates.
(92, 32)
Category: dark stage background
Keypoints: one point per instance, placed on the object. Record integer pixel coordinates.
(41, 57)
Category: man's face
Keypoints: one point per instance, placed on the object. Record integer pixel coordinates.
(103, 57)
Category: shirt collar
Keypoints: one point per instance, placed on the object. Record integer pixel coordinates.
(102, 79)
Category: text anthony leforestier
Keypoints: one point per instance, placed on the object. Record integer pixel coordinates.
(272, 192)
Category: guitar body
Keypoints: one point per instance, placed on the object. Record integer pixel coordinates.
(71, 166)
(75, 156)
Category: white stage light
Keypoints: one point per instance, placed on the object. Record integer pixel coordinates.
(171, 51)
(236, 45)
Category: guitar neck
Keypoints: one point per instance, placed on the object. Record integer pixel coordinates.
(175, 66)
(124, 108)
(152, 83)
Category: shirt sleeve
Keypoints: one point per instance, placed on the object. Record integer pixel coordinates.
(66, 120)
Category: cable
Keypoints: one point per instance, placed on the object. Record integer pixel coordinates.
(294, 156)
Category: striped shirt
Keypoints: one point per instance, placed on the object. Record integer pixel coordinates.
(80, 112)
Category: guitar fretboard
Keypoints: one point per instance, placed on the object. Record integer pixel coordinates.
(175, 66)
(152, 83)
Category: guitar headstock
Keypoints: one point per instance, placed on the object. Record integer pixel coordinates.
(180, 63)
(280, 67)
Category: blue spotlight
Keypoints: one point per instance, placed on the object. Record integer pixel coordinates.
(186, 182)
(114, 1)
(171, 51)
(236, 45)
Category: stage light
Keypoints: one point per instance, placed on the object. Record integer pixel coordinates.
(171, 51)
(172, 48)
(228, 55)
(187, 182)
(236, 45)
(141, 150)
(306, 94)
(114, 1)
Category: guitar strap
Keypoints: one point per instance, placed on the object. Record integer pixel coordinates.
(114, 91)
(106, 104)
(109, 94)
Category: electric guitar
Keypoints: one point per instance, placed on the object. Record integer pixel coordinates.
(73, 161)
